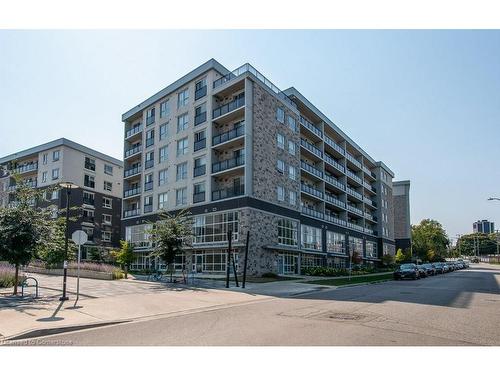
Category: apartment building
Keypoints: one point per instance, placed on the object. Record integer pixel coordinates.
(402, 225)
(483, 226)
(98, 177)
(242, 155)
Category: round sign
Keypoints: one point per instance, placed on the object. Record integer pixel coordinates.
(79, 237)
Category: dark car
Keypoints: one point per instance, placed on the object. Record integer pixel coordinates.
(430, 269)
(422, 271)
(438, 268)
(406, 271)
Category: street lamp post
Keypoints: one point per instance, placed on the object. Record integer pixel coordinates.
(68, 186)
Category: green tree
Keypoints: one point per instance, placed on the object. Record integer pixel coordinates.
(53, 253)
(468, 243)
(429, 235)
(25, 226)
(125, 256)
(170, 235)
(400, 256)
(387, 259)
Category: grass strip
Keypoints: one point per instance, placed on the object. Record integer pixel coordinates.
(354, 280)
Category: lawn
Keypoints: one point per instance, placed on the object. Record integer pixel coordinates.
(354, 280)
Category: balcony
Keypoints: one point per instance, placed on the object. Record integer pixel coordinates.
(200, 145)
(311, 191)
(335, 220)
(199, 197)
(333, 181)
(369, 216)
(372, 232)
(130, 213)
(131, 192)
(334, 163)
(312, 170)
(150, 120)
(200, 170)
(26, 168)
(354, 193)
(200, 93)
(353, 176)
(311, 148)
(234, 191)
(355, 226)
(200, 118)
(88, 219)
(353, 160)
(333, 200)
(133, 151)
(135, 130)
(229, 107)
(313, 213)
(150, 142)
(334, 145)
(228, 136)
(247, 68)
(369, 201)
(148, 186)
(354, 209)
(309, 126)
(148, 208)
(89, 201)
(132, 171)
(228, 164)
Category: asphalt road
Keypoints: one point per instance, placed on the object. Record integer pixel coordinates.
(459, 308)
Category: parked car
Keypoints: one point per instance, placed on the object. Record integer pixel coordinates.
(430, 269)
(451, 266)
(406, 271)
(466, 264)
(438, 267)
(422, 271)
(460, 265)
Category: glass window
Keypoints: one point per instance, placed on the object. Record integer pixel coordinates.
(311, 237)
(281, 141)
(89, 163)
(182, 146)
(281, 193)
(292, 123)
(44, 158)
(55, 194)
(108, 186)
(182, 122)
(106, 218)
(150, 116)
(281, 166)
(182, 98)
(138, 235)
(163, 154)
(163, 131)
(164, 109)
(182, 171)
(181, 197)
(55, 155)
(335, 242)
(107, 202)
(55, 174)
(292, 147)
(292, 198)
(280, 115)
(162, 177)
(356, 244)
(162, 201)
(371, 249)
(44, 176)
(287, 232)
(89, 181)
(108, 169)
(214, 227)
(292, 172)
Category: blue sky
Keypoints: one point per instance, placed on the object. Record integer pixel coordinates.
(427, 103)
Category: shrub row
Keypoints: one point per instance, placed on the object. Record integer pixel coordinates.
(330, 271)
(7, 276)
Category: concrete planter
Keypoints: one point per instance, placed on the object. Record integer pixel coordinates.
(72, 272)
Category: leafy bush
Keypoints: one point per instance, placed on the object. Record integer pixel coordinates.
(334, 272)
(89, 266)
(270, 275)
(7, 276)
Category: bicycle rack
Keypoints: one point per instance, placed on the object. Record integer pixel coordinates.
(25, 284)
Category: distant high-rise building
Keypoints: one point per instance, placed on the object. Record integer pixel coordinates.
(402, 226)
(483, 226)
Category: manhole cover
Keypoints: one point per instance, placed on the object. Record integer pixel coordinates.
(345, 316)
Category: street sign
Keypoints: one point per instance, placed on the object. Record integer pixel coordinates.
(79, 237)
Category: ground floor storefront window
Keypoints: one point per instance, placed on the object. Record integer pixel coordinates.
(212, 261)
(288, 263)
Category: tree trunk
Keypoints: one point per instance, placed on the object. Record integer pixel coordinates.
(16, 279)
(126, 272)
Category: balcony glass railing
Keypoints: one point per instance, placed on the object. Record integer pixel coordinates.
(150, 120)
(130, 192)
(355, 226)
(352, 159)
(148, 208)
(199, 197)
(133, 131)
(331, 199)
(311, 127)
(149, 164)
(228, 164)
(200, 118)
(334, 145)
(370, 231)
(200, 170)
(89, 201)
(227, 136)
(311, 212)
(334, 181)
(129, 213)
(335, 220)
(312, 148)
(132, 171)
(334, 163)
(133, 151)
(229, 107)
(369, 216)
(353, 176)
(148, 186)
(354, 193)
(354, 209)
(311, 190)
(200, 93)
(313, 170)
(234, 191)
(150, 142)
(250, 69)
